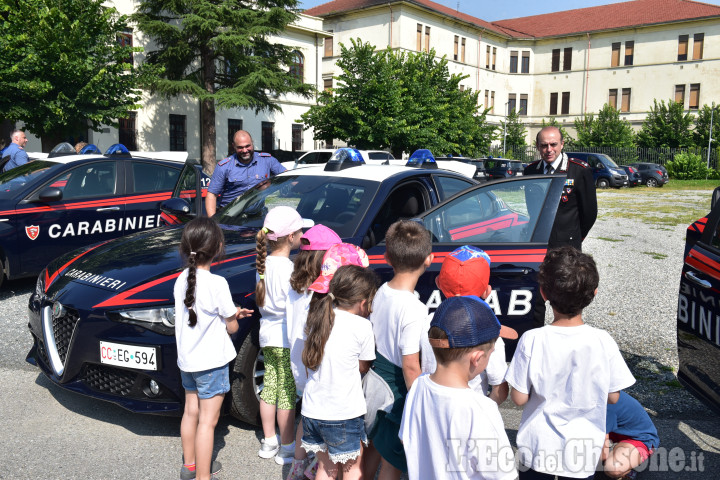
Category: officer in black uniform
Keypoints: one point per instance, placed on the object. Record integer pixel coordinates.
(577, 211)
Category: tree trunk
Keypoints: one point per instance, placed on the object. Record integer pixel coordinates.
(208, 133)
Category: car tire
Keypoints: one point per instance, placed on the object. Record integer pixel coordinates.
(246, 378)
(651, 182)
(603, 183)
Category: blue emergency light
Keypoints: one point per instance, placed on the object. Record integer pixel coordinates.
(61, 149)
(344, 158)
(90, 149)
(117, 149)
(422, 158)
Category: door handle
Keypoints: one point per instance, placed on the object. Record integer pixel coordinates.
(511, 271)
(697, 280)
(108, 209)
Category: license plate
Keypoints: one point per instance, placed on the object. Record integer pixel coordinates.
(128, 356)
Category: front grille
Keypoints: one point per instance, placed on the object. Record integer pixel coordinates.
(108, 379)
(43, 354)
(63, 328)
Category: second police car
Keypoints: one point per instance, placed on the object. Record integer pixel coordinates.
(51, 206)
(102, 318)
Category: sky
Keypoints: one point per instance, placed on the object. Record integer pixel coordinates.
(494, 10)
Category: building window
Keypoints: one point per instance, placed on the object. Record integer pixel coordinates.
(297, 129)
(462, 88)
(125, 39)
(297, 66)
(565, 107)
(327, 84)
(553, 103)
(487, 98)
(694, 96)
(567, 59)
(494, 57)
(178, 133)
(682, 47)
(127, 131)
(525, 65)
(698, 41)
(629, 52)
(456, 48)
(513, 61)
(512, 103)
(625, 107)
(555, 67)
(492, 101)
(615, 60)
(419, 37)
(523, 104)
(462, 50)
(328, 47)
(233, 125)
(487, 57)
(427, 38)
(268, 136)
(612, 98)
(680, 94)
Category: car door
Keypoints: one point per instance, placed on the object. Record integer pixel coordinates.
(147, 185)
(698, 312)
(90, 210)
(191, 189)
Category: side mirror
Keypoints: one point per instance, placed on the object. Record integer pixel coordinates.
(715, 198)
(176, 206)
(50, 194)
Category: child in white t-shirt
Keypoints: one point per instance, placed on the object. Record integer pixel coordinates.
(339, 346)
(449, 430)
(307, 267)
(565, 373)
(281, 233)
(466, 272)
(205, 315)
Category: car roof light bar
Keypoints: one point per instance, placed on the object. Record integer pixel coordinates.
(344, 158)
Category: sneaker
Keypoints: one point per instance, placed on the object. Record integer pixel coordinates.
(268, 450)
(311, 470)
(186, 474)
(297, 471)
(285, 454)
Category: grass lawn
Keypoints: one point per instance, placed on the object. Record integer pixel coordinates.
(673, 185)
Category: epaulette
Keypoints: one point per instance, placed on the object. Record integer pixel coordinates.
(534, 163)
(224, 161)
(263, 154)
(577, 161)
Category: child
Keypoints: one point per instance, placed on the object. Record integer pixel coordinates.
(204, 316)
(566, 373)
(281, 232)
(449, 430)
(634, 436)
(339, 347)
(398, 319)
(308, 262)
(466, 272)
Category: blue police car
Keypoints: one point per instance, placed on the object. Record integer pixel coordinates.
(101, 318)
(54, 205)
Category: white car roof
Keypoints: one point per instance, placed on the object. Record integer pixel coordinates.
(178, 157)
(376, 173)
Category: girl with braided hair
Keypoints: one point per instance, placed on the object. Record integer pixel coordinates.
(205, 316)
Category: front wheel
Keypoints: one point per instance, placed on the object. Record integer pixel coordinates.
(603, 183)
(652, 183)
(246, 379)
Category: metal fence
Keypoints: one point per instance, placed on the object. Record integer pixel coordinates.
(621, 155)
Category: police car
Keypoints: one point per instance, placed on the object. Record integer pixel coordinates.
(101, 318)
(54, 205)
(698, 312)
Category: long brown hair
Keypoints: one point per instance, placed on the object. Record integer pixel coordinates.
(202, 241)
(307, 267)
(350, 284)
(261, 244)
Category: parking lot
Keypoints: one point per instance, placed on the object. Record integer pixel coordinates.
(637, 243)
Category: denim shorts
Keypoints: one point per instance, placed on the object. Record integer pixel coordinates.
(207, 383)
(340, 438)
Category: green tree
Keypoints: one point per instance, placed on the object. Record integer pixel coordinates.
(702, 126)
(552, 122)
(220, 53)
(402, 101)
(515, 132)
(62, 69)
(605, 130)
(667, 125)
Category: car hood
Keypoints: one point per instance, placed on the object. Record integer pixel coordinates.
(139, 269)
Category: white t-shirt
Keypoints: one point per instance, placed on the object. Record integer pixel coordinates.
(296, 310)
(398, 318)
(334, 390)
(568, 372)
(206, 345)
(273, 327)
(454, 433)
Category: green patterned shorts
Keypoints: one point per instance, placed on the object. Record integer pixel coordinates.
(279, 382)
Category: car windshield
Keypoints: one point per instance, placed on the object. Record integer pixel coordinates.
(609, 162)
(496, 164)
(16, 178)
(338, 203)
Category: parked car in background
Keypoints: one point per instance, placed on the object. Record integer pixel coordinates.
(606, 172)
(652, 174)
(502, 168)
(634, 178)
(479, 164)
(321, 156)
(698, 312)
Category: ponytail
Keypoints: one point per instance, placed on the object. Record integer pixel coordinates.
(190, 292)
(261, 255)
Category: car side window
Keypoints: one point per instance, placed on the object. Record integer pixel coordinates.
(150, 177)
(449, 186)
(405, 202)
(89, 180)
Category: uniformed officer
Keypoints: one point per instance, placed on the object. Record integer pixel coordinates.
(16, 151)
(577, 211)
(239, 172)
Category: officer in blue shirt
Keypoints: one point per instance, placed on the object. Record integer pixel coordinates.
(16, 151)
(239, 172)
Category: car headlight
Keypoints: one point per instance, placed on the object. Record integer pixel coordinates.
(157, 319)
(39, 287)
